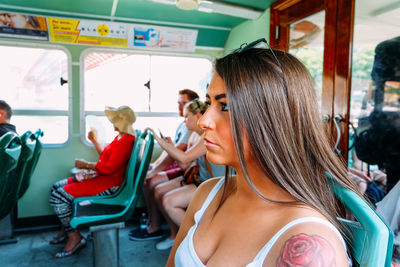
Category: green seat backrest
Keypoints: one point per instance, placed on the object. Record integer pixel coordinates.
(143, 162)
(31, 164)
(131, 165)
(371, 243)
(10, 151)
(125, 201)
(15, 178)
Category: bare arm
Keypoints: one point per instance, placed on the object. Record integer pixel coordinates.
(83, 164)
(93, 139)
(360, 174)
(165, 160)
(198, 150)
(308, 244)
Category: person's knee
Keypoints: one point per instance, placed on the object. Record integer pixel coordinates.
(168, 203)
(154, 181)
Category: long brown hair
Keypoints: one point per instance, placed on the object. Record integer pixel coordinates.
(276, 108)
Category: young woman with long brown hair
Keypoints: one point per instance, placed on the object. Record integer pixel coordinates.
(278, 209)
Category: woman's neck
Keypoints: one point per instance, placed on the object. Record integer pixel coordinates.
(120, 135)
(262, 183)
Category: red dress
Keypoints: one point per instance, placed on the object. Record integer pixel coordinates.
(111, 167)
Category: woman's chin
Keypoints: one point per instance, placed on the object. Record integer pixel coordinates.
(216, 158)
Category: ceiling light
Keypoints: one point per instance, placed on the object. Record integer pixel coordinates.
(229, 9)
(187, 4)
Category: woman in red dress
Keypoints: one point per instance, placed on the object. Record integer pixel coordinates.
(103, 177)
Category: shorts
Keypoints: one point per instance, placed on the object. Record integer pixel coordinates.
(173, 171)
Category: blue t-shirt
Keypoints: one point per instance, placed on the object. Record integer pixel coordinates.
(204, 174)
(182, 134)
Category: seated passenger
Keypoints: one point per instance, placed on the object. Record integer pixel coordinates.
(5, 116)
(370, 183)
(279, 209)
(177, 193)
(96, 178)
(165, 167)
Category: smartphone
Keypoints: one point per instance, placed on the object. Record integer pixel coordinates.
(161, 135)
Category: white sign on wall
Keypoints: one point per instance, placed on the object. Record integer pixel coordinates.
(162, 38)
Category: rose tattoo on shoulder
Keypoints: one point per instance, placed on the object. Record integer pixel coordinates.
(306, 250)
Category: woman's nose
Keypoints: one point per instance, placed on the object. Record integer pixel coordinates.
(205, 120)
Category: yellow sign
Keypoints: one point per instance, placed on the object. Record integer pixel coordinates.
(87, 32)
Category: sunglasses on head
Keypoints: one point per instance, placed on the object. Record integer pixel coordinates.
(260, 43)
(197, 103)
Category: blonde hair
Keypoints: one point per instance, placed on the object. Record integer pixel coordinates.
(196, 106)
(276, 108)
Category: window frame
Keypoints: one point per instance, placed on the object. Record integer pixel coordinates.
(44, 113)
(83, 113)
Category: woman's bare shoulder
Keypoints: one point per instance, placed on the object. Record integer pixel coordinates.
(203, 191)
(313, 243)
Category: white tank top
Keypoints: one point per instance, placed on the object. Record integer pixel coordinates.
(186, 255)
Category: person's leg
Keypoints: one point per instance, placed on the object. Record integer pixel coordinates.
(148, 192)
(61, 201)
(159, 191)
(175, 202)
(153, 230)
(61, 235)
(173, 205)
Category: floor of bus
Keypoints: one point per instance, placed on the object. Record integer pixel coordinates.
(33, 249)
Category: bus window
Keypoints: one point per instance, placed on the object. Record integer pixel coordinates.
(307, 44)
(30, 83)
(115, 79)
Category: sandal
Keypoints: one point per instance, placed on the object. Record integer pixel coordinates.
(80, 245)
(58, 240)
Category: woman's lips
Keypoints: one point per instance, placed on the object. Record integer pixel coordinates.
(209, 143)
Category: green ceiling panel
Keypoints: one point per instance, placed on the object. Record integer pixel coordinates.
(161, 12)
(213, 38)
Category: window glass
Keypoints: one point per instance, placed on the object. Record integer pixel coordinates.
(307, 44)
(120, 79)
(171, 74)
(50, 125)
(105, 130)
(116, 80)
(31, 86)
(31, 78)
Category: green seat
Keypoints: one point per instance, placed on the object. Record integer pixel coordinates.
(90, 211)
(10, 196)
(371, 243)
(10, 151)
(31, 164)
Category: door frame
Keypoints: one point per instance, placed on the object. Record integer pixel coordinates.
(337, 65)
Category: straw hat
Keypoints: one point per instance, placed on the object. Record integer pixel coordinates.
(122, 118)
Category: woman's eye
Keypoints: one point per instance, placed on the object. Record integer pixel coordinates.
(224, 107)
